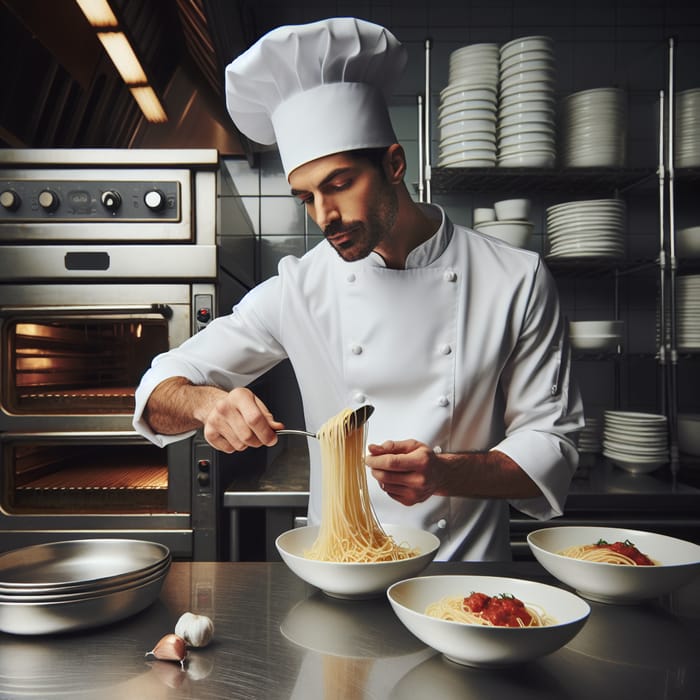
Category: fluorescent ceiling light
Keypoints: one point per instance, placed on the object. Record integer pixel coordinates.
(98, 13)
(149, 103)
(119, 49)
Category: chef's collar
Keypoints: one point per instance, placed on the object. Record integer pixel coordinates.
(429, 251)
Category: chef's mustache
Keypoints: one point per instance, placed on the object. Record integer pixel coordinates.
(338, 226)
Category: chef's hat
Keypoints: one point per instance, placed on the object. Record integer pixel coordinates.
(317, 88)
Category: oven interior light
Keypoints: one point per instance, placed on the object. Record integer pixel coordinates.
(139, 330)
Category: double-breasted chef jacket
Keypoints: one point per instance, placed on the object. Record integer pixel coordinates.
(465, 349)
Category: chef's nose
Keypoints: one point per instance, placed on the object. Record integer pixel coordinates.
(326, 211)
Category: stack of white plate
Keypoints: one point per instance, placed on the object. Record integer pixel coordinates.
(586, 229)
(686, 137)
(635, 442)
(77, 584)
(526, 129)
(589, 441)
(688, 312)
(594, 128)
(468, 105)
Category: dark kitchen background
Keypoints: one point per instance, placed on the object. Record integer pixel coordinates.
(61, 91)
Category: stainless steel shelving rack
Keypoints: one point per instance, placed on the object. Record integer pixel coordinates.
(589, 180)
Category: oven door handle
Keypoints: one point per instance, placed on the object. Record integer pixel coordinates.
(160, 309)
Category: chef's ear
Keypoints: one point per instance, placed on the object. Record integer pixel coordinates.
(394, 163)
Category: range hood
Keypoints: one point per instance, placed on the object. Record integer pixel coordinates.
(61, 90)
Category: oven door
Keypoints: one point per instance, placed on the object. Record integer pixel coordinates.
(71, 356)
(68, 485)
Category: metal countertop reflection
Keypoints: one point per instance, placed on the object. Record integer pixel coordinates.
(278, 638)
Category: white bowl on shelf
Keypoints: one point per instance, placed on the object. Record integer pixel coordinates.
(689, 433)
(483, 215)
(688, 242)
(512, 209)
(603, 327)
(516, 233)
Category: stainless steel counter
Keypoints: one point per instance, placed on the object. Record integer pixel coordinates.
(600, 494)
(277, 638)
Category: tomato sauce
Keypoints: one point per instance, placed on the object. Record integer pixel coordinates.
(501, 611)
(627, 549)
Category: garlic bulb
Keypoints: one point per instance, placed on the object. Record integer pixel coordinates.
(196, 630)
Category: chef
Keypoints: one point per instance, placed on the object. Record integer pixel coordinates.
(454, 337)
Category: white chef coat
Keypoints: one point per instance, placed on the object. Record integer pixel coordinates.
(465, 349)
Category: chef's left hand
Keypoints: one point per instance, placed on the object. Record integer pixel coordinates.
(408, 470)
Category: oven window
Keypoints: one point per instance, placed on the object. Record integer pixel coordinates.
(41, 477)
(81, 366)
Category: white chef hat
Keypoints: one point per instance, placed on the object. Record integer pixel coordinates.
(316, 89)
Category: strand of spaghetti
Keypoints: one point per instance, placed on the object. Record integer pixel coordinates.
(349, 530)
(590, 552)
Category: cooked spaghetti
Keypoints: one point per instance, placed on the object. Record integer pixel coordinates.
(490, 611)
(609, 553)
(349, 530)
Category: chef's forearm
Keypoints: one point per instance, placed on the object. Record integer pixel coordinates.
(489, 474)
(178, 406)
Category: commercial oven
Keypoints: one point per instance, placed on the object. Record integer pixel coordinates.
(107, 258)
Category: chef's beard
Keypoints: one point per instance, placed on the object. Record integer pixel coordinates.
(366, 236)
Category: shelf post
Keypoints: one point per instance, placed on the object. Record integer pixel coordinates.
(427, 158)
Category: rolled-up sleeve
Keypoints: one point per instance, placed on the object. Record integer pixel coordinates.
(543, 408)
(232, 351)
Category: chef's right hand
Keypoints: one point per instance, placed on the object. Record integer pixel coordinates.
(239, 420)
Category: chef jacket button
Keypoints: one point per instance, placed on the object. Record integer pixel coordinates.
(351, 277)
(450, 276)
(445, 349)
(443, 401)
(356, 349)
(360, 397)
(442, 523)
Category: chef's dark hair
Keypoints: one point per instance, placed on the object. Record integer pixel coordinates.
(375, 156)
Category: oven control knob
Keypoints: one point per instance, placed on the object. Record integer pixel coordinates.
(155, 200)
(10, 200)
(204, 315)
(48, 200)
(111, 200)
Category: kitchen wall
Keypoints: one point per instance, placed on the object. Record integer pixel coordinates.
(598, 43)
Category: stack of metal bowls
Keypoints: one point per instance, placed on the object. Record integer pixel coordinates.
(71, 585)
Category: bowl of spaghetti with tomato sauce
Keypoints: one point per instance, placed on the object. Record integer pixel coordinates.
(615, 565)
(488, 621)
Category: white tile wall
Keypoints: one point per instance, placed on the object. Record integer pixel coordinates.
(598, 43)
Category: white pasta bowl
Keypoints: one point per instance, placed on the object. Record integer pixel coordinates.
(355, 579)
(689, 433)
(679, 563)
(487, 646)
(517, 233)
(512, 209)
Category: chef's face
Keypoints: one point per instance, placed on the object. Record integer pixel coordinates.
(350, 198)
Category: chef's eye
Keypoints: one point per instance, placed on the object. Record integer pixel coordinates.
(303, 201)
